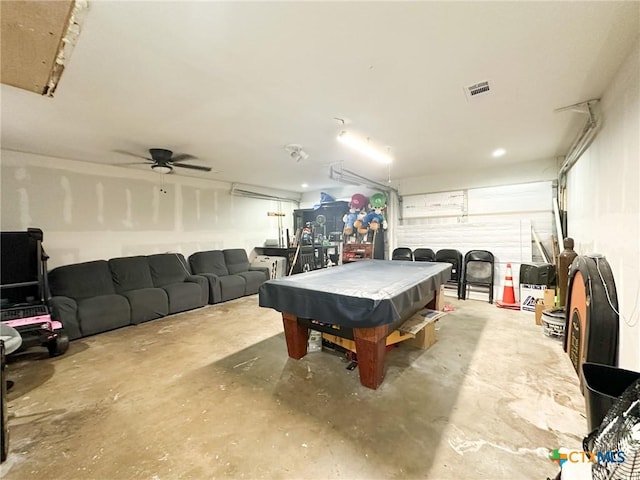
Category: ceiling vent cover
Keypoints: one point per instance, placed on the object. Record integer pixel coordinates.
(477, 89)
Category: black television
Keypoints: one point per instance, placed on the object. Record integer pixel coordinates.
(20, 267)
(538, 274)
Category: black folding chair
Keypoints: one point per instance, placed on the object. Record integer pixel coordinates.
(424, 255)
(477, 271)
(402, 253)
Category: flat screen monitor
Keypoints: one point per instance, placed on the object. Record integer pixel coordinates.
(19, 268)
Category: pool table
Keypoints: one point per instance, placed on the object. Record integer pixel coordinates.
(364, 301)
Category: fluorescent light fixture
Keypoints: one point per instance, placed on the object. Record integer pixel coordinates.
(499, 152)
(304, 185)
(162, 168)
(363, 147)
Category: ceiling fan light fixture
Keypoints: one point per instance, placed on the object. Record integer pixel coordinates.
(162, 168)
(363, 147)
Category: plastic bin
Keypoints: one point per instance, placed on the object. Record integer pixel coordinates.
(603, 384)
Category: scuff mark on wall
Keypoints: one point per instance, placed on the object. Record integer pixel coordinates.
(198, 205)
(21, 174)
(25, 217)
(100, 195)
(68, 200)
(127, 221)
(215, 207)
(178, 208)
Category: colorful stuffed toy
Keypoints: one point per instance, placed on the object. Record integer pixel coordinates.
(356, 207)
(306, 237)
(376, 216)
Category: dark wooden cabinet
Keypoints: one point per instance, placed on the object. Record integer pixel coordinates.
(326, 220)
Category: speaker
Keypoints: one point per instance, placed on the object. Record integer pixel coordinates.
(538, 274)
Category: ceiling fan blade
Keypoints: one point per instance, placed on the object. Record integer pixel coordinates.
(122, 152)
(182, 157)
(192, 167)
(150, 162)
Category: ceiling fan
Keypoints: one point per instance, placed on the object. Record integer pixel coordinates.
(163, 160)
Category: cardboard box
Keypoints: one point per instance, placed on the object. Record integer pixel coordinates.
(394, 337)
(422, 325)
(529, 295)
(549, 297)
(547, 302)
(540, 307)
(419, 330)
(425, 337)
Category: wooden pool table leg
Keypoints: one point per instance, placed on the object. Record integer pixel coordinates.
(437, 302)
(295, 335)
(371, 347)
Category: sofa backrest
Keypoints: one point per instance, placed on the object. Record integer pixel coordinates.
(211, 261)
(81, 280)
(236, 260)
(167, 268)
(130, 273)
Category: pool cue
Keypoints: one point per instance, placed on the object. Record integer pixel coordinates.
(295, 257)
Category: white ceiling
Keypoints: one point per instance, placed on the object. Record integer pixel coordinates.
(232, 83)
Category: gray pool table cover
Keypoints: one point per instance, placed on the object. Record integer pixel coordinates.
(360, 294)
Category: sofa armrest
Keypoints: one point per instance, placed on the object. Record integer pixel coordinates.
(65, 310)
(213, 287)
(204, 285)
(264, 270)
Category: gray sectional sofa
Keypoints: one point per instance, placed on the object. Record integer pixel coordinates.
(228, 272)
(185, 291)
(132, 279)
(85, 300)
(97, 296)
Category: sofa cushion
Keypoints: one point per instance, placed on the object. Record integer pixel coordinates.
(147, 304)
(184, 296)
(130, 273)
(236, 260)
(253, 280)
(102, 313)
(210, 261)
(232, 286)
(167, 268)
(213, 287)
(132, 278)
(82, 280)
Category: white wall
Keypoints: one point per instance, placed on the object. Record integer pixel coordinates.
(89, 211)
(499, 219)
(483, 176)
(603, 199)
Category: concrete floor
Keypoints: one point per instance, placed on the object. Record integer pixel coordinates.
(212, 394)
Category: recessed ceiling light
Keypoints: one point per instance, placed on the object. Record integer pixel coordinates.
(304, 185)
(499, 152)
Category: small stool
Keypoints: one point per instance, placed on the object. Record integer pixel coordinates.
(11, 338)
(12, 341)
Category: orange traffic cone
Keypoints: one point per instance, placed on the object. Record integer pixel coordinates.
(508, 295)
